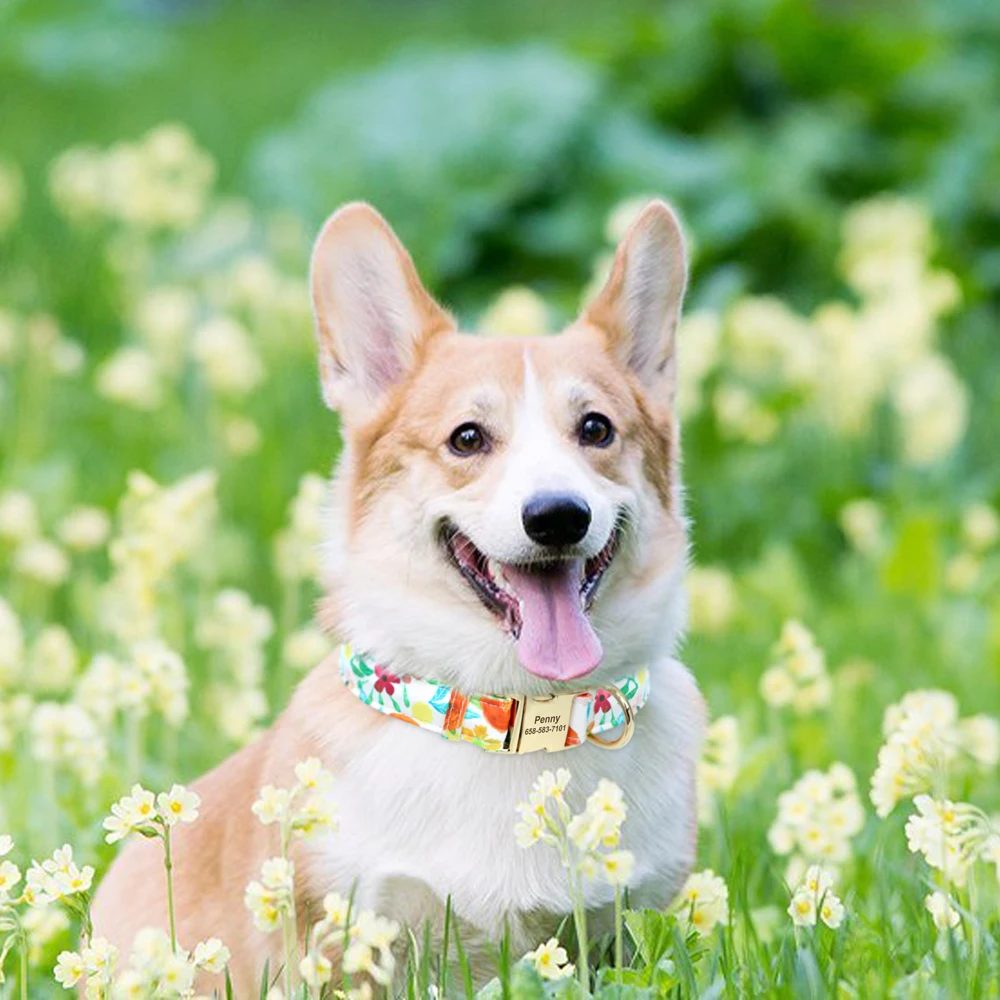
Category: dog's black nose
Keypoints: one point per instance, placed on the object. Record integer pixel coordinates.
(556, 518)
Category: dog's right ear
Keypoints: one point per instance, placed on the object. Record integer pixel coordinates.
(371, 311)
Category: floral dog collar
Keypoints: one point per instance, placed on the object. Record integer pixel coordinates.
(501, 725)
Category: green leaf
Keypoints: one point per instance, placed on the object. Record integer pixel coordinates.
(652, 932)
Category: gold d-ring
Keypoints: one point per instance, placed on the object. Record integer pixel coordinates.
(626, 708)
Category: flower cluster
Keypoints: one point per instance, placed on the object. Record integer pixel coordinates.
(814, 900)
(154, 969)
(760, 364)
(236, 630)
(161, 527)
(304, 810)
(161, 182)
(924, 740)
(817, 817)
(271, 897)
(65, 734)
(150, 815)
(703, 902)
(297, 546)
(366, 939)
(798, 677)
(588, 842)
(35, 557)
(951, 836)
(152, 679)
(594, 834)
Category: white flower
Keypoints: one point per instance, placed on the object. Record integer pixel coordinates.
(979, 736)
(130, 813)
(863, 522)
(18, 516)
(84, 529)
(942, 910)
(817, 818)
(980, 527)
(6, 844)
(42, 561)
(54, 660)
(305, 648)
(11, 645)
(703, 903)
(69, 969)
(222, 348)
(814, 898)
(530, 829)
(211, 955)
(297, 547)
(10, 875)
(798, 677)
(315, 970)
(272, 805)
(131, 377)
(802, 909)
(618, 867)
(932, 406)
(950, 835)
(179, 805)
(550, 960)
(66, 734)
(924, 739)
(712, 599)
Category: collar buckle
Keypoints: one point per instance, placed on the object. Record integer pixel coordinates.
(540, 723)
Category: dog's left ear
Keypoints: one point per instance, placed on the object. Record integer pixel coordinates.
(640, 304)
(372, 313)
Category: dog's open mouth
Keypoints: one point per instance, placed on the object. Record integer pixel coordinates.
(543, 605)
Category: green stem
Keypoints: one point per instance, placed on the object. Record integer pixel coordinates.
(288, 926)
(168, 864)
(618, 928)
(583, 945)
(23, 955)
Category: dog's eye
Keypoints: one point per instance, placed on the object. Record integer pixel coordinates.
(468, 439)
(596, 430)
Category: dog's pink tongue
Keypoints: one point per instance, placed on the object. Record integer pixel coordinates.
(557, 641)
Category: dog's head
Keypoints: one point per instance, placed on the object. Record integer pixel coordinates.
(506, 513)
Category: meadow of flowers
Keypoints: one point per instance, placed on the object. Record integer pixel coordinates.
(163, 450)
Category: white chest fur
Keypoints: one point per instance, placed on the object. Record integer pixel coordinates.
(418, 810)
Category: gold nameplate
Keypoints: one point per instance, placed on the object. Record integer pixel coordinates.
(540, 723)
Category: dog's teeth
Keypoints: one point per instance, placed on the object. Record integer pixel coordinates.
(495, 570)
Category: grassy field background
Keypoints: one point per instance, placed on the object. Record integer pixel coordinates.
(163, 168)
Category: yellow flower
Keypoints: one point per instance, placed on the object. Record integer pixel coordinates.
(550, 960)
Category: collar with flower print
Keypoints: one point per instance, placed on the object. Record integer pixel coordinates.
(517, 724)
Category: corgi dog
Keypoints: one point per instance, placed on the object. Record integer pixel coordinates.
(505, 526)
